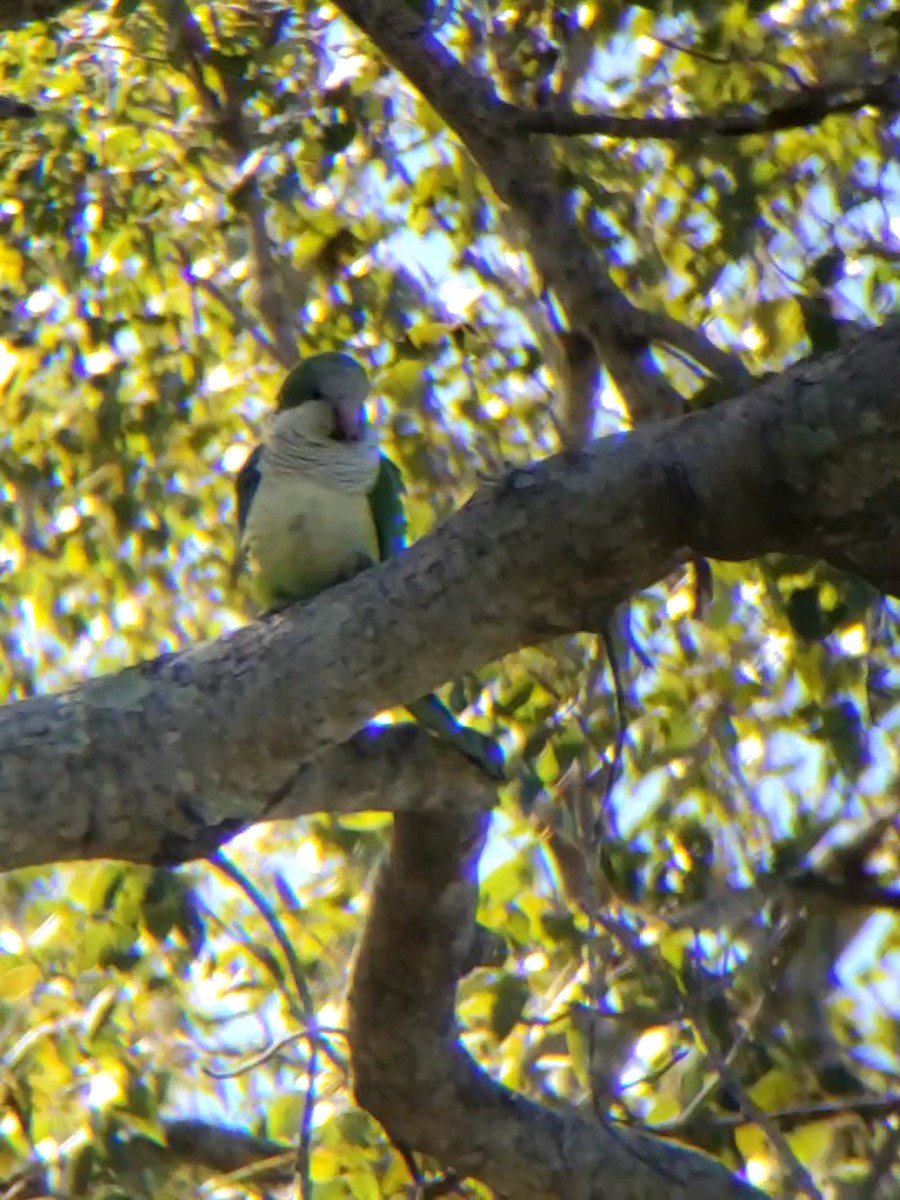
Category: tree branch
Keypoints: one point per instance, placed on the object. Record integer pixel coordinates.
(218, 1149)
(377, 770)
(412, 1073)
(228, 122)
(146, 763)
(523, 173)
(11, 107)
(15, 13)
(869, 1108)
(800, 110)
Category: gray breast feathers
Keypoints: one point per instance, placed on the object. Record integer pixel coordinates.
(290, 450)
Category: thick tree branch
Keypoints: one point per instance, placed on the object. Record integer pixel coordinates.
(523, 173)
(808, 463)
(377, 770)
(412, 1073)
(15, 13)
(800, 110)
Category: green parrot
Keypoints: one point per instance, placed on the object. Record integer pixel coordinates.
(317, 502)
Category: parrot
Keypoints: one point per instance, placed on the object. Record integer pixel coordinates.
(317, 502)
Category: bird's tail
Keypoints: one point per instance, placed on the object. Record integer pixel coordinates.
(484, 751)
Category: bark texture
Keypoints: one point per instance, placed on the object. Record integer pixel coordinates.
(15, 13)
(411, 1071)
(145, 763)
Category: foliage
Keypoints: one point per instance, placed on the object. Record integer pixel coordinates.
(139, 347)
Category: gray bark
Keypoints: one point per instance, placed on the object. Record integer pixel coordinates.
(412, 1073)
(140, 764)
(522, 172)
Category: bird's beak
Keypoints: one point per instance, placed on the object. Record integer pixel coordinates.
(350, 420)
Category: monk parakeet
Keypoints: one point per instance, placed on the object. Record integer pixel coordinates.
(318, 502)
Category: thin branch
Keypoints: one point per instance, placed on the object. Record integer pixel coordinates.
(228, 123)
(268, 914)
(272, 302)
(269, 1052)
(303, 1161)
(11, 107)
(660, 327)
(580, 383)
(226, 1151)
(799, 1177)
(787, 1119)
(413, 1074)
(862, 892)
(882, 1166)
(241, 318)
(801, 110)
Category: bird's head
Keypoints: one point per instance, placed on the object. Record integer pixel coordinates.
(327, 392)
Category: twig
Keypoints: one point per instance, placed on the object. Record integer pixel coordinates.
(882, 1163)
(268, 914)
(303, 1161)
(269, 1052)
(261, 904)
(798, 1175)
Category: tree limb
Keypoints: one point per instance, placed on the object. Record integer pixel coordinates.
(211, 737)
(15, 13)
(868, 1108)
(523, 173)
(217, 1149)
(800, 110)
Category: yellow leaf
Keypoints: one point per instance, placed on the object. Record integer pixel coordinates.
(751, 1142)
(17, 982)
(365, 822)
(812, 1143)
(673, 946)
(664, 1108)
(427, 333)
(777, 1089)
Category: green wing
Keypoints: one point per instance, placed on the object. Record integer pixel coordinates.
(246, 485)
(388, 515)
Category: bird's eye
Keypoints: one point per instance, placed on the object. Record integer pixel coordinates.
(316, 394)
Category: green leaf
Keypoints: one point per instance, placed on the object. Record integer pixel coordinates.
(284, 1116)
(510, 996)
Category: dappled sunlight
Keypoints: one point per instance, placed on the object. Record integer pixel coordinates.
(208, 194)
